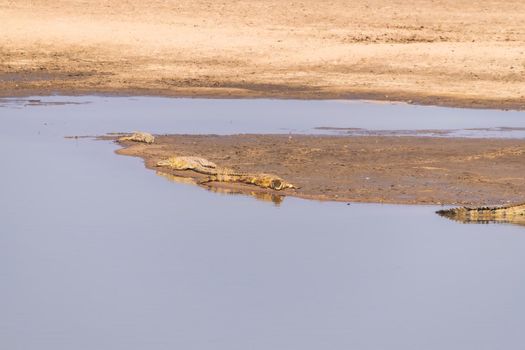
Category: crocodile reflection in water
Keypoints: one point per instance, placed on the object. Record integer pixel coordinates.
(259, 195)
(512, 214)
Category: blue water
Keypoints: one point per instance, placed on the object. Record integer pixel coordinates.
(87, 115)
(97, 252)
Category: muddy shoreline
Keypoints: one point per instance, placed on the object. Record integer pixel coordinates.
(282, 94)
(446, 53)
(375, 169)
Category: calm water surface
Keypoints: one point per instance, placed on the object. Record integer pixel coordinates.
(98, 253)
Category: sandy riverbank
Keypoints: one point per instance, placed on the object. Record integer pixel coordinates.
(437, 52)
(405, 170)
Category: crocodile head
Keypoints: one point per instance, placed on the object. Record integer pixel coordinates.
(273, 182)
(278, 184)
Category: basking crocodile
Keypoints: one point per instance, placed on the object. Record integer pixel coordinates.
(139, 136)
(506, 214)
(219, 174)
(197, 164)
(277, 199)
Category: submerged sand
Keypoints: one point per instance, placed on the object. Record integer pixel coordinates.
(381, 169)
(453, 52)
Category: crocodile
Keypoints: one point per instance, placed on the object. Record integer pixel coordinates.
(197, 164)
(219, 174)
(262, 180)
(514, 214)
(139, 136)
(277, 199)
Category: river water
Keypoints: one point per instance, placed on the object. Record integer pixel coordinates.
(97, 252)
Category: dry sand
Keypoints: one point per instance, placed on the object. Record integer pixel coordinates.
(454, 52)
(407, 170)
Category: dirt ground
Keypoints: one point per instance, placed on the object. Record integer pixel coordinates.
(452, 52)
(385, 169)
